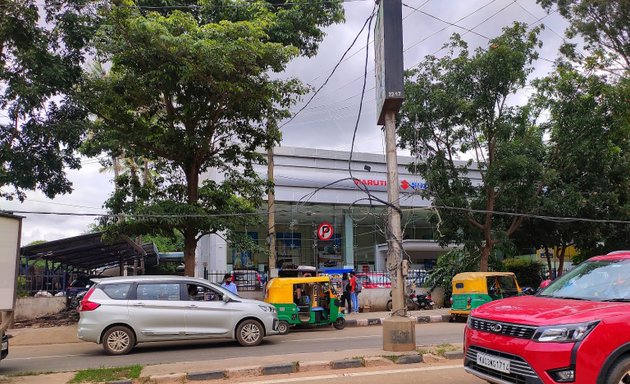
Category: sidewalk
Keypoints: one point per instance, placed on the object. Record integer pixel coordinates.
(68, 334)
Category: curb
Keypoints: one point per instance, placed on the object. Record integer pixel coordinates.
(379, 321)
(295, 367)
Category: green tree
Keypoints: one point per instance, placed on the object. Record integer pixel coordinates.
(41, 53)
(190, 89)
(459, 106)
(604, 27)
(589, 125)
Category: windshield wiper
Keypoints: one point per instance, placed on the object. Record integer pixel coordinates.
(616, 300)
(568, 297)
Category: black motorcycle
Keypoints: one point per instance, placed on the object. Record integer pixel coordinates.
(424, 301)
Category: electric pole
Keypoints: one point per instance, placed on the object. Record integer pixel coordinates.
(399, 332)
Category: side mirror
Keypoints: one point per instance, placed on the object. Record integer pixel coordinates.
(544, 284)
(226, 298)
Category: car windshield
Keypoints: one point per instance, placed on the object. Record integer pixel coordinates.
(603, 280)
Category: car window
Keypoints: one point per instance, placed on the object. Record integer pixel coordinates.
(202, 293)
(164, 291)
(117, 291)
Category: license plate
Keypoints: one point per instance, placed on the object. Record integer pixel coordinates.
(492, 362)
(5, 345)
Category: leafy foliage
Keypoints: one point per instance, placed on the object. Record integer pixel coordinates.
(458, 106)
(589, 155)
(456, 261)
(527, 271)
(41, 54)
(603, 25)
(190, 90)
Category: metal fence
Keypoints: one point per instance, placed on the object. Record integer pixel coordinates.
(245, 279)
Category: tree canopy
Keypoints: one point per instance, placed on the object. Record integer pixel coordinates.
(190, 89)
(458, 106)
(41, 52)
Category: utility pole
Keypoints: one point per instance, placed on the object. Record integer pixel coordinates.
(399, 332)
(271, 203)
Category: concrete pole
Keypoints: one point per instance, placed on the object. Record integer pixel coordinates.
(399, 331)
(394, 238)
(271, 203)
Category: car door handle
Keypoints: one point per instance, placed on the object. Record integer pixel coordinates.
(193, 306)
(138, 305)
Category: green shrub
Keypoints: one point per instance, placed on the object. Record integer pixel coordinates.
(527, 271)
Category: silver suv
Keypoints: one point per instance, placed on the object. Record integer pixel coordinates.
(120, 312)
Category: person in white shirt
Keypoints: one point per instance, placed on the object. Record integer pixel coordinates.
(228, 284)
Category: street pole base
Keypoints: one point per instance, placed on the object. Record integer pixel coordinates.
(399, 334)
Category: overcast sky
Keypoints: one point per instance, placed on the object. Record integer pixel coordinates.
(329, 120)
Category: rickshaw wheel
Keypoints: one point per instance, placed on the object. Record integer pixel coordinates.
(340, 323)
(283, 327)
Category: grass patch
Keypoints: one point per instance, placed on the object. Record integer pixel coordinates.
(441, 349)
(393, 358)
(100, 375)
(438, 350)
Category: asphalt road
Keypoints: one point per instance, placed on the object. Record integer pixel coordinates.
(77, 356)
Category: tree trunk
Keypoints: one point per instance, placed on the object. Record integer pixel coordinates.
(190, 246)
(190, 235)
(485, 255)
(563, 250)
(549, 270)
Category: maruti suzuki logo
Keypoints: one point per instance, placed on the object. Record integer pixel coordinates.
(404, 184)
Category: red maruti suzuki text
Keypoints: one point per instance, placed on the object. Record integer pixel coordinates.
(577, 330)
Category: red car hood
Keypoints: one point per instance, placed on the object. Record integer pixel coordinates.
(539, 311)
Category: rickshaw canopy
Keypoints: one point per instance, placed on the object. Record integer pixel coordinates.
(280, 289)
(476, 282)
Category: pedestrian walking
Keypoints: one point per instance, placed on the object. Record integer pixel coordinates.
(353, 292)
(346, 300)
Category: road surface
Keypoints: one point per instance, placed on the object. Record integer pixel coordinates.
(78, 356)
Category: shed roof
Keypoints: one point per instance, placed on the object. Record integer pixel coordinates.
(90, 251)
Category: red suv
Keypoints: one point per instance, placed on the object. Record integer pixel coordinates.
(577, 330)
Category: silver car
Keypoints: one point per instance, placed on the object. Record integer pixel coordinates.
(120, 312)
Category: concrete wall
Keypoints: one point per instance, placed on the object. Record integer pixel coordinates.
(33, 307)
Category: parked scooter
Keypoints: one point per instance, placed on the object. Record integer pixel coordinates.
(424, 301)
(415, 302)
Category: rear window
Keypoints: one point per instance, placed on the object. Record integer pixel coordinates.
(117, 291)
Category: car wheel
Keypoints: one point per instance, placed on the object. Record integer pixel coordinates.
(283, 327)
(620, 372)
(118, 340)
(389, 305)
(340, 323)
(249, 333)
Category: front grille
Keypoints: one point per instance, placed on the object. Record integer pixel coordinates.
(507, 329)
(520, 371)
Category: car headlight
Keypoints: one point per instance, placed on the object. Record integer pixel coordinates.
(567, 333)
(267, 308)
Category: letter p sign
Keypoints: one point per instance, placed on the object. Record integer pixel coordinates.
(325, 231)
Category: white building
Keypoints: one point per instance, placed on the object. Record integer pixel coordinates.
(314, 187)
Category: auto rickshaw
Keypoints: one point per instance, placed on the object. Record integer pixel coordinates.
(472, 289)
(304, 301)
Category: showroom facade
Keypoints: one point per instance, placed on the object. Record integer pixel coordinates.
(314, 190)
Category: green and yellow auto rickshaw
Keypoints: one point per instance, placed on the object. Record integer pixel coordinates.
(472, 289)
(304, 301)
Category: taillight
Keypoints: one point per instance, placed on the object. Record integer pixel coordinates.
(87, 305)
(429, 297)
